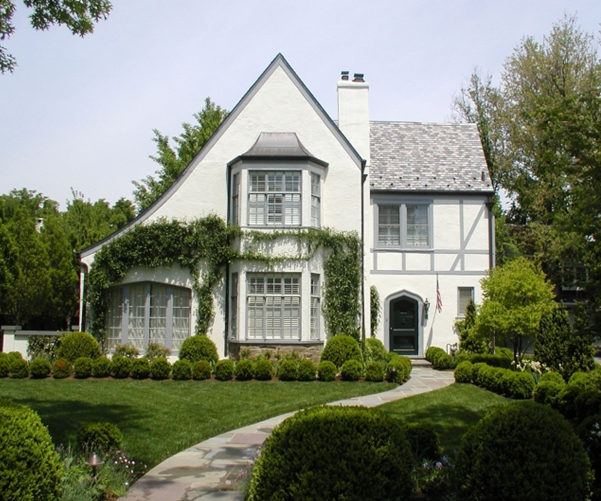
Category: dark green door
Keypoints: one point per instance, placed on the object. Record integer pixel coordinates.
(404, 326)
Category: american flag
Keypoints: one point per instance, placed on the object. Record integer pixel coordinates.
(438, 297)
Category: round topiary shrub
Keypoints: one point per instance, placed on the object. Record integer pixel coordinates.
(374, 372)
(306, 370)
(4, 365)
(101, 367)
(523, 451)
(61, 369)
(78, 344)
(99, 437)
(547, 392)
(14, 355)
(182, 370)
(288, 370)
(552, 376)
(19, 368)
(197, 348)
(463, 372)
(121, 367)
(517, 384)
(348, 453)
(201, 370)
(244, 370)
(160, 368)
(351, 370)
(140, 368)
(432, 351)
(82, 368)
(424, 441)
(224, 370)
(326, 371)
(263, 370)
(398, 369)
(30, 468)
(341, 348)
(39, 368)
(375, 351)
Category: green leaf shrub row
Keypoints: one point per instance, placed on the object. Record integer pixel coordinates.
(506, 382)
(441, 360)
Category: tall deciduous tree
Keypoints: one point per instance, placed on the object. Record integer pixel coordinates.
(78, 15)
(174, 160)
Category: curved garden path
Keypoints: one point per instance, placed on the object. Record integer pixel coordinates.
(211, 470)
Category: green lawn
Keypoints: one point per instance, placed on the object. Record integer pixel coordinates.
(451, 410)
(161, 418)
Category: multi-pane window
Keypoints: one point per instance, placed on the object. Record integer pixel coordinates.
(315, 305)
(404, 225)
(315, 201)
(273, 306)
(236, 199)
(274, 198)
(234, 306)
(464, 296)
(147, 312)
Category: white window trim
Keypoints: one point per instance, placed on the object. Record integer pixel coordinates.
(283, 193)
(402, 205)
(461, 314)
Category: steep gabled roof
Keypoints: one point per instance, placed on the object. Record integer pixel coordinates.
(418, 157)
(278, 62)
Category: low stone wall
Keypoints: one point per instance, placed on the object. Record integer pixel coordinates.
(311, 351)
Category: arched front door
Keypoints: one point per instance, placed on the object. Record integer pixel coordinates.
(404, 326)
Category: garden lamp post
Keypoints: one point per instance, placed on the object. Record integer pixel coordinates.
(94, 461)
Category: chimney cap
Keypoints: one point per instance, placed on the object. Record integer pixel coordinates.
(344, 75)
(358, 77)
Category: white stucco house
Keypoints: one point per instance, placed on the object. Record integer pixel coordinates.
(419, 197)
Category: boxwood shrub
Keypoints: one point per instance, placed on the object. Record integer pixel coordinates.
(349, 453)
(224, 370)
(463, 372)
(423, 440)
(4, 365)
(19, 368)
(547, 392)
(375, 352)
(351, 370)
(523, 451)
(288, 370)
(244, 370)
(517, 384)
(78, 344)
(121, 367)
(552, 376)
(160, 368)
(30, 467)
(398, 369)
(182, 370)
(197, 348)
(99, 437)
(61, 369)
(306, 370)
(326, 371)
(432, 351)
(82, 367)
(263, 370)
(140, 368)
(374, 372)
(101, 367)
(201, 370)
(341, 348)
(40, 368)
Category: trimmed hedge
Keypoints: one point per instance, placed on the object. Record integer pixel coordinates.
(224, 369)
(548, 392)
(19, 368)
(463, 372)
(30, 467)
(263, 370)
(99, 437)
(374, 372)
(523, 451)
(375, 352)
(121, 367)
(326, 371)
(82, 367)
(201, 370)
(288, 370)
(398, 369)
(61, 369)
(101, 367)
(423, 440)
(244, 370)
(182, 370)
(4, 365)
(306, 370)
(197, 348)
(341, 348)
(40, 368)
(351, 370)
(78, 344)
(140, 368)
(160, 368)
(344, 453)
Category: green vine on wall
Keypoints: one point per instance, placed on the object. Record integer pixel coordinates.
(208, 244)
(375, 309)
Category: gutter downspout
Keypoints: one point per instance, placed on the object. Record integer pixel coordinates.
(363, 179)
(227, 270)
(491, 233)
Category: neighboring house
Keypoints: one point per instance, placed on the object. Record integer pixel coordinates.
(418, 195)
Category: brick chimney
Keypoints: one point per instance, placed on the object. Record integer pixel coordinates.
(353, 111)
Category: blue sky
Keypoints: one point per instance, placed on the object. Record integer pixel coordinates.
(79, 113)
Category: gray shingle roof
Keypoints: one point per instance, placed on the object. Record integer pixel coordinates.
(410, 156)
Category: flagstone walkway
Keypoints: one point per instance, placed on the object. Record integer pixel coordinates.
(211, 470)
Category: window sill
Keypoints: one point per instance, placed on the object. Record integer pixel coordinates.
(392, 248)
(276, 341)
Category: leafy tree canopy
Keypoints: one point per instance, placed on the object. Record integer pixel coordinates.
(174, 160)
(78, 15)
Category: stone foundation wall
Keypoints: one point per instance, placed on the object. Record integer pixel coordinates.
(310, 351)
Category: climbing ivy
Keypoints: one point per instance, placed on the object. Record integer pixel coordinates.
(375, 309)
(207, 244)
